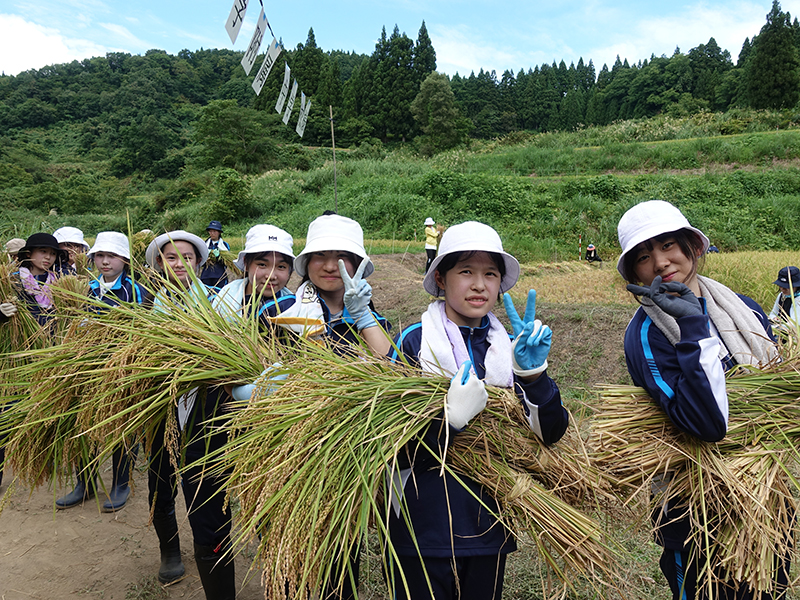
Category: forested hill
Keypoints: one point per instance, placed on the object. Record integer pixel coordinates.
(372, 95)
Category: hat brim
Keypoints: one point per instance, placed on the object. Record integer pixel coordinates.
(155, 246)
(785, 284)
(655, 230)
(24, 253)
(508, 281)
(260, 249)
(333, 243)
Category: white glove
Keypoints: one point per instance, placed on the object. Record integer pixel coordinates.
(466, 397)
(8, 309)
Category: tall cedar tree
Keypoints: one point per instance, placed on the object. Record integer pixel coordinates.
(773, 67)
(382, 88)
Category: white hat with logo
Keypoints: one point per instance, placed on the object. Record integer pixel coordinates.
(265, 238)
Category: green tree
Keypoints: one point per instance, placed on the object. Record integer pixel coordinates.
(773, 67)
(424, 54)
(229, 135)
(709, 63)
(233, 200)
(435, 111)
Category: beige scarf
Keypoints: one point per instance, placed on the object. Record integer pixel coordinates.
(740, 330)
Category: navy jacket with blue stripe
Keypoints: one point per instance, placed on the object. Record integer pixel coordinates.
(686, 380)
(435, 501)
(123, 290)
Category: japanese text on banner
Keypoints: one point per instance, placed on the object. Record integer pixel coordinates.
(249, 58)
(305, 107)
(290, 103)
(284, 90)
(269, 60)
(234, 22)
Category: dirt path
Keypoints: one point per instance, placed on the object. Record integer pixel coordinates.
(82, 553)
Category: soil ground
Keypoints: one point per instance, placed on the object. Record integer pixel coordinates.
(81, 553)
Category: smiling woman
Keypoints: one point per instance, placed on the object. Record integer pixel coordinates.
(445, 522)
(689, 331)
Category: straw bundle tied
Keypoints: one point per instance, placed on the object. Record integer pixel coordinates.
(738, 493)
(117, 376)
(29, 403)
(310, 460)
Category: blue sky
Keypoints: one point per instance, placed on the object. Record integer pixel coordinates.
(467, 35)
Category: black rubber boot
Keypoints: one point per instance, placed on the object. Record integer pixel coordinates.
(120, 488)
(84, 490)
(166, 526)
(216, 571)
(2, 462)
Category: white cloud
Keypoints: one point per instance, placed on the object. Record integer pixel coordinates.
(729, 25)
(126, 38)
(25, 45)
(457, 49)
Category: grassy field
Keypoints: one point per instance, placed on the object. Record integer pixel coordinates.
(735, 175)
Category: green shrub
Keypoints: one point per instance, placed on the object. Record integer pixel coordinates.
(232, 201)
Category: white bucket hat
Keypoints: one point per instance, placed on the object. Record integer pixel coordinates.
(113, 242)
(430, 221)
(648, 220)
(472, 236)
(333, 232)
(176, 236)
(70, 235)
(265, 238)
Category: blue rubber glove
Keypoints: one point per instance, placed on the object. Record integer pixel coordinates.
(683, 305)
(357, 295)
(532, 340)
(267, 384)
(466, 397)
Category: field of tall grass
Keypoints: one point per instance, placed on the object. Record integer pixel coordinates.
(576, 282)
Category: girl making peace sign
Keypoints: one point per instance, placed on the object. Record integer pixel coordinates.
(458, 542)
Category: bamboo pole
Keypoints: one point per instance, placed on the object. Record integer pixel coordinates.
(333, 145)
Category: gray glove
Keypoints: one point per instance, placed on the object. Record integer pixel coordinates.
(8, 309)
(684, 305)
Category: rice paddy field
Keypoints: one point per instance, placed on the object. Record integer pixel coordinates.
(81, 553)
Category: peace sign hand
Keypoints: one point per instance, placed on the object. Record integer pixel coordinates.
(358, 295)
(532, 339)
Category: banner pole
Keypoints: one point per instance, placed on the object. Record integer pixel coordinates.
(333, 145)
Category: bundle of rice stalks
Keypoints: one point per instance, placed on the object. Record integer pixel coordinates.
(310, 461)
(83, 266)
(737, 493)
(117, 375)
(18, 334)
(227, 258)
(21, 331)
(69, 294)
(139, 243)
(160, 355)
